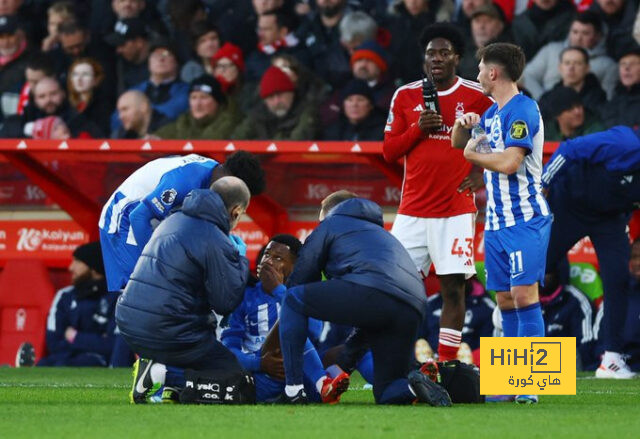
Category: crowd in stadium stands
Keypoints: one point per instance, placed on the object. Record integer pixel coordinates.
(293, 69)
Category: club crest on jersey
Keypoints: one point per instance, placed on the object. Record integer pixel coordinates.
(169, 196)
(519, 130)
(459, 109)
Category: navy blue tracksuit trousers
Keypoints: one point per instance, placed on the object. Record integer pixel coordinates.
(609, 236)
(390, 326)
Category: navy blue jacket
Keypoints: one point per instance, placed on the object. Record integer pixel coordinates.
(598, 173)
(89, 309)
(188, 268)
(351, 244)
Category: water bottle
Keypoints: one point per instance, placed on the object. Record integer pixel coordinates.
(483, 147)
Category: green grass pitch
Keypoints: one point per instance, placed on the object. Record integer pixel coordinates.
(92, 403)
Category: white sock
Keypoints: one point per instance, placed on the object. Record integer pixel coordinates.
(158, 373)
(293, 390)
(319, 384)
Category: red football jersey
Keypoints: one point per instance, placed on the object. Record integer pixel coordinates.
(433, 169)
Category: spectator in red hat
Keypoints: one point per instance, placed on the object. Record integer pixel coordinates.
(228, 69)
(206, 42)
(282, 113)
(369, 63)
(308, 84)
(51, 127)
(228, 66)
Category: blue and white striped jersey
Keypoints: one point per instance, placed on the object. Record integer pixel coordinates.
(515, 199)
(160, 185)
(251, 322)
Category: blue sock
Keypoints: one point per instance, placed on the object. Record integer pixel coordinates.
(293, 335)
(509, 323)
(530, 322)
(175, 377)
(312, 365)
(365, 367)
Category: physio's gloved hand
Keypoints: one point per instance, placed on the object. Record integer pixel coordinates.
(239, 244)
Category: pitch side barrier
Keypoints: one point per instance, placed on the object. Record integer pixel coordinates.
(77, 177)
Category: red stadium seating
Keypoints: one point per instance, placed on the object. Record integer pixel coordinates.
(25, 296)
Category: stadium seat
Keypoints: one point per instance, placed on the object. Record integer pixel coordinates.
(25, 296)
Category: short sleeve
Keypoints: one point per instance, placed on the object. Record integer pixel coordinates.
(521, 125)
(175, 185)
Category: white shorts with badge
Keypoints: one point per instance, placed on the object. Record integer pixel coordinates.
(448, 242)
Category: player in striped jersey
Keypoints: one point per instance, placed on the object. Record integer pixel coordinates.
(518, 222)
(250, 324)
(436, 216)
(148, 196)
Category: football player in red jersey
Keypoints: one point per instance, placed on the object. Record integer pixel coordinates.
(436, 216)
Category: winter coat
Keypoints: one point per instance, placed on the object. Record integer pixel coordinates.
(188, 268)
(300, 123)
(624, 107)
(217, 126)
(541, 73)
(352, 245)
(89, 309)
(371, 128)
(592, 95)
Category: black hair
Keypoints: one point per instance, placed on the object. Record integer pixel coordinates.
(41, 62)
(508, 56)
(282, 18)
(247, 168)
(592, 18)
(71, 27)
(290, 241)
(201, 28)
(446, 31)
(582, 51)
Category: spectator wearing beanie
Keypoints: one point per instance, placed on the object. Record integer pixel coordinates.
(369, 62)
(566, 116)
(210, 116)
(81, 320)
(359, 119)
(51, 127)
(281, 114)
(228, 69)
